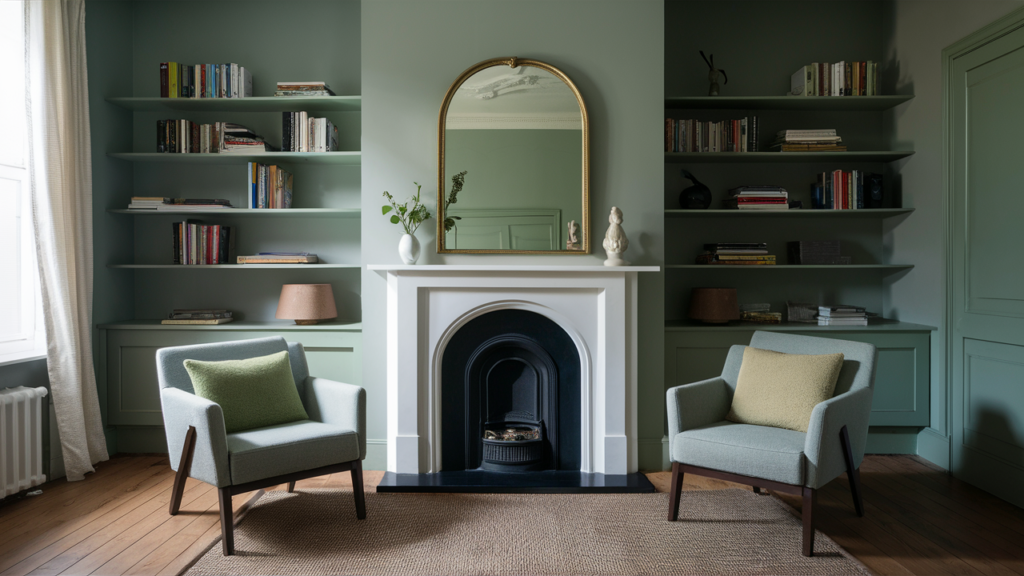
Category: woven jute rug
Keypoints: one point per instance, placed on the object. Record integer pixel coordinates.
(718, 532)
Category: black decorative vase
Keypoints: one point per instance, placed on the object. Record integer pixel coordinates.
(696, 197)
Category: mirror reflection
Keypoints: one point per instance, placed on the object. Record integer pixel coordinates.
(517, 134)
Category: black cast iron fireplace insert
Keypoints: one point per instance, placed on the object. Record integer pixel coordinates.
(510, 395)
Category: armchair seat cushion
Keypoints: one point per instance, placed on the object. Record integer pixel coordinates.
(285, 448)
(759, 451)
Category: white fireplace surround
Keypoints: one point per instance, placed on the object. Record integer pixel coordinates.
(595, 305)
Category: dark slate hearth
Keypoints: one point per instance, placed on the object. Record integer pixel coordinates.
(545, 482)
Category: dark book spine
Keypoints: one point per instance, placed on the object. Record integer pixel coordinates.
(172, 135)
(222, 245)
(285, 126)
(191, 81)
(164, 80)
(161, 129)
(291, 132)
(176, 241)
(195, 136)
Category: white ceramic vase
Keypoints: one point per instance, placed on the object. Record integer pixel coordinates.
(409, 249)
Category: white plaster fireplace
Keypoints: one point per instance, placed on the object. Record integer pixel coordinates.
(595, 305)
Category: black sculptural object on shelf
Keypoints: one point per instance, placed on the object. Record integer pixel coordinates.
(713, 74)
(696, 197)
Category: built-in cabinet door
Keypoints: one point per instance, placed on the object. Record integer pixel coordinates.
(987, 281)
(133, 394)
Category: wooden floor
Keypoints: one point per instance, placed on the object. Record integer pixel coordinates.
(919, 520)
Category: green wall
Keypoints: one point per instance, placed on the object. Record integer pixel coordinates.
(413, 50)
(916, 32)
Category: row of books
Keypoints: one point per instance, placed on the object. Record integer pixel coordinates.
(204, 81)
(840, 190)
(177, 204)
(303, 133)
(858, 78)
(758, 198)
(186, 137)
(303, 89)
(705, 136)
(201, 244)
(818, 140)
(194, 316)
(842, 315)
(279, 258)
(736, 253)
(269, 186)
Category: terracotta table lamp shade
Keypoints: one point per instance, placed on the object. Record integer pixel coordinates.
(714, 305)
(306, 303)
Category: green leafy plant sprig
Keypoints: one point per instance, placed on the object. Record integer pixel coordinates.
(457, 181)
(410, 217)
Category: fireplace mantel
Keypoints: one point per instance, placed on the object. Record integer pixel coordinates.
(595, 305)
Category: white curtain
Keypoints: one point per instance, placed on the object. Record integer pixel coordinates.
(60, 180)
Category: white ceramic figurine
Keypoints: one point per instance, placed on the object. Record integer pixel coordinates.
(615, 241)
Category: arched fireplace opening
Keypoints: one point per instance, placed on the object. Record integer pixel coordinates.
(510, 395)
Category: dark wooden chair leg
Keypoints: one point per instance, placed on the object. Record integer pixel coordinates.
(675, 491)
(357, 489)
(810, 496)
(757, 490)
(291, 487)
(852, 473)
(184, 468)
(227, 521)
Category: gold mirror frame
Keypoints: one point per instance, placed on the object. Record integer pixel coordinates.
(513, 62)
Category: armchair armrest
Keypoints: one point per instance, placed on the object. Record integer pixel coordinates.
(339, 404)
(695, 405)
(210, 460)
(823, 448)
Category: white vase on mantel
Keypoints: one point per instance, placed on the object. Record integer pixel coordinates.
(409, 249)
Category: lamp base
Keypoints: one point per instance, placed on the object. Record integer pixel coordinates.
(311, 322)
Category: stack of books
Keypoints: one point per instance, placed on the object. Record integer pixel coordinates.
(842, 190)
(204, 81)
(178, 204)
(202, 244)
(184, 136)
(758, 198)
(303, 89)
(301, 133)
(238, 139)
(841, 315)
(146, 202)
(269, 186)
(279, 258)
(736, 254)
(197, 316)
(759, 314)
(723, 136)
(823, 140)
(838, 79)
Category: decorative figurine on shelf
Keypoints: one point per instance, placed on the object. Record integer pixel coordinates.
(615, 241)
(713, 74)
(696, 197)
(573, 243)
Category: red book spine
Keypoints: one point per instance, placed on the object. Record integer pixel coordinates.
(164, 82)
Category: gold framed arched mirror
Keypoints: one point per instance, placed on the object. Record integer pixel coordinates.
(513, 162)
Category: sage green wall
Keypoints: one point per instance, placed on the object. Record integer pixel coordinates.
(917, 31)
(612, 49)
(108, 36)
(518, 169)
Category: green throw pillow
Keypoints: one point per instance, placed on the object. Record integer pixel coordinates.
(253, 393)
(781, 390)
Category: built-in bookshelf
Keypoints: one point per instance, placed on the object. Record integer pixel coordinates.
(250, 212)
(784, 157)
(251, 104)
(348, 158)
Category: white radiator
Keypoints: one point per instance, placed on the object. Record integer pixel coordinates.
(21, 439)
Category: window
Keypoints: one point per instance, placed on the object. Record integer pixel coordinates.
(21, 327)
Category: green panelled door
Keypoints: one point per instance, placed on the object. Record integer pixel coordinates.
(987, 282)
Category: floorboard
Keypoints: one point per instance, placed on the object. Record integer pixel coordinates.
(919, 520)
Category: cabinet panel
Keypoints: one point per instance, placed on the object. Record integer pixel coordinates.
(901, 375)
(133, 396)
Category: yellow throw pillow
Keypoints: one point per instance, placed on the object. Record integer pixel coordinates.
(781, 390)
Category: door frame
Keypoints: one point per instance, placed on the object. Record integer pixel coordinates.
(1007, 24)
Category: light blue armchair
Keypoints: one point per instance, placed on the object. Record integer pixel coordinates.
(703, 442)
(332, 440)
